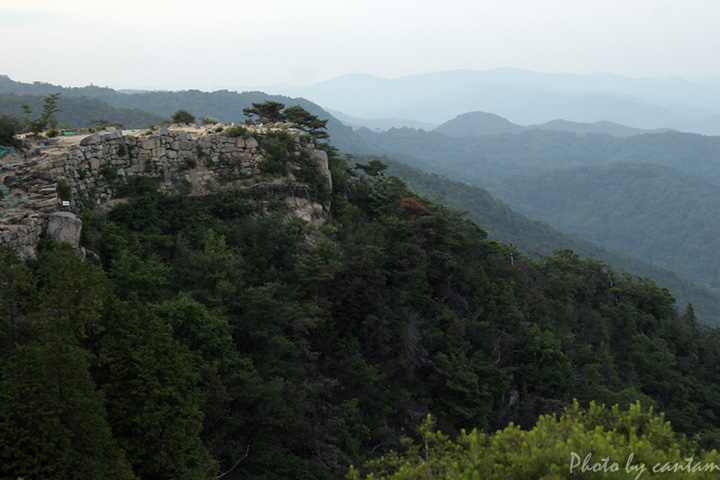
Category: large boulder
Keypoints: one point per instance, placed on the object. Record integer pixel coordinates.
(90, 140)
(64, 227)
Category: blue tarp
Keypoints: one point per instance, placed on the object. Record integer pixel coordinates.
(6, 151)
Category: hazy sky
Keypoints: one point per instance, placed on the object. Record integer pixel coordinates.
(209, 44)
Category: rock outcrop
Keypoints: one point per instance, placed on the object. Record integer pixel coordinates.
(64, 227)
(41, 193)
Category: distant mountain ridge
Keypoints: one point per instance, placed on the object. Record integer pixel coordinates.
(523, 97)
(482, 123)
(479, 158)
(224, 105)
(380, 123)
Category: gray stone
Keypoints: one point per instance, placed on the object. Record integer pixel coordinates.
(64, 227)
(10, 181)
(90, 140)
(150, 143)
(322, 159)
(242, 156)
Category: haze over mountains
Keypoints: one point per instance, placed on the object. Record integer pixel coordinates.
(517, 160)
(522, 97)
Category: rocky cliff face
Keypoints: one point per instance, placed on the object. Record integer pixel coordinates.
(88, 172)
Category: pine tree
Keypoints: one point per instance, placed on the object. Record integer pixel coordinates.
(52, 422)
(152, 396)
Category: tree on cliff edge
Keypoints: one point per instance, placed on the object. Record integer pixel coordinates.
(266, 112)
(307, 121)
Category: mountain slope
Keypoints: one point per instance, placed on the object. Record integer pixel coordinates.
(481, 123)
(655, 213)
(224, 105)
(523, 97)
(226, 336)
(536, 238)
(80, 112)
(493, 156)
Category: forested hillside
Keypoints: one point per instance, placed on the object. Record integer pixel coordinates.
(476, 159)
(222, 105)
(219, 335)
(80, 112)
(537, 239)
(480, 123)
(655, 213)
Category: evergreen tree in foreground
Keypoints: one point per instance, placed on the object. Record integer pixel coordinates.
(53, 422)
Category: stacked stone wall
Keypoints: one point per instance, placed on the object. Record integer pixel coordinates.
(93, 170)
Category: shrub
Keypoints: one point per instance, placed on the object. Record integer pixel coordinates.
(52, 133)
(9, 126)
(64, 190)
(237, 131)
(209, 121)
(182, 116)
(109, 172)
(136, 185)
(615, 443)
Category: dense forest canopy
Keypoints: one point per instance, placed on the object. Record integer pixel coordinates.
(220, 335)
(652, 212)
(538, 239)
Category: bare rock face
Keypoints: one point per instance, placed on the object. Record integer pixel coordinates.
(64, 227)
(322, 159)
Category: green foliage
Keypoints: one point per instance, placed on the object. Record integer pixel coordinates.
(188, 164)
(373, 169)
(268, 111)
(305, 120)
(18, 290)
(278, 146)
(109, 172)
(597, 443)
(136, 185)
(646, 211)
(182, 116)
(122, 150)
(237, 131)
(209, 120)
(228, 336)
(538, 239)
(9, 127)
(311, 174)
(64, 190)
(78, 111)
(53, 422)
(153, 403)
(39, 124)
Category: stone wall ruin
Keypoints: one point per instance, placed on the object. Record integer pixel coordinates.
(88, 173)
